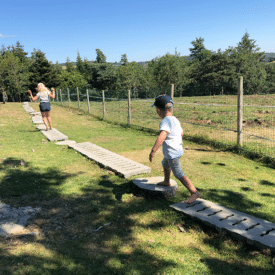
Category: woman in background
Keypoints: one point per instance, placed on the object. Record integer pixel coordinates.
(45, 105)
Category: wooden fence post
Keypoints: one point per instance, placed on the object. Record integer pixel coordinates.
(129, 107)
(78, 97)
(69, 100)
(88, 101)
(60, 96)
(57, 95)
(240, 112)
(103, 103)
(172, 93)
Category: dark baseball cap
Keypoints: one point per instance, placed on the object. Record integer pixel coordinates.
(163, 102)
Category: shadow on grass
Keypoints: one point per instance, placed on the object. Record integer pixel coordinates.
(266, 182)
(29, 184)
(237, 201)
(217, 267)
(80, 234)
(90, 233)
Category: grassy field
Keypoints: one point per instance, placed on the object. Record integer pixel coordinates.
(212, 117)
(94, 222)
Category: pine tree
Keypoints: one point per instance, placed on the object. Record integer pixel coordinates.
(41, 70)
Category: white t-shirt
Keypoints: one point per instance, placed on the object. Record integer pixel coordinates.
(44, 96)
(172, 146)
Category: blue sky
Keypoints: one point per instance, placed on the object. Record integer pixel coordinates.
(143, 29)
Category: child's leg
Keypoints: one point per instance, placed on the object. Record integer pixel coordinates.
(44, 120)
(48, 115)
(191, 188)
(167, 173)
(177, 170)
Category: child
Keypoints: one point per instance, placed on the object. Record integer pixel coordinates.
(45, 105)
(170, 138)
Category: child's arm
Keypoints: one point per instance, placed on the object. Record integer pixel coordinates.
(52, 94)
(158, 143)
(34, 98)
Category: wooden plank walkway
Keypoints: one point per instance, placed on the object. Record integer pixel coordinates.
(110, 160)
(253, 230)
(54, 135)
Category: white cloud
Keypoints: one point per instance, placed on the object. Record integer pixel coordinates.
(7, 36)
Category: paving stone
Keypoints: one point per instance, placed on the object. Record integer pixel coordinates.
(37, 119)
(29, 109)
(54, 135)
(151, 184)
(41, 126)
(35, 113)
(110, 160)
(254, 231)
(65, 142)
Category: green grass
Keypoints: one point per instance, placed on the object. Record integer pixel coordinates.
(140, 233)
(205, 114)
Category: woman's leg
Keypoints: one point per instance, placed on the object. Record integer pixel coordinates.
(45, 120)
(48, 116)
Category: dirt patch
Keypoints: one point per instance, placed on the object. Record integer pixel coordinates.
(255, 122)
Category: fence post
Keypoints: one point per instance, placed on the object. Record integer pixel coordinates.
(103, 103)
(172, 91)
(129, 107)
(240, 112)
(57, 95)
(88, 101)
(60, 96)
(172, 94)
(69, 100)
(78, 97)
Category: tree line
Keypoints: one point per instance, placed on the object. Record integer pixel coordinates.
(204, 72)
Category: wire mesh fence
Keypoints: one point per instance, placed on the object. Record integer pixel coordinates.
(212, 117)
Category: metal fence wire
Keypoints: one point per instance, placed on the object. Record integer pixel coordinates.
(212, 117)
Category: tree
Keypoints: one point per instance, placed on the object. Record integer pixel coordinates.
(217, 73)
(199, 52)
(73, 79)
(270, 76)
(106, 76)
(124, 60)
(19, 52)
(248, 62)
(41, 70)
(169, 69)
(79, 63)
(14, 77)
(69, 65)
(100, 57)
(131, 76)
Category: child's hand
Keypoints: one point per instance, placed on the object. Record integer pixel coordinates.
(30, 92)
(152, 154)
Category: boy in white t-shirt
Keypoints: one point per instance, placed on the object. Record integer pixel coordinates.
(170, 138)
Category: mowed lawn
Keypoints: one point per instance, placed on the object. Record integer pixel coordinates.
(95, 222)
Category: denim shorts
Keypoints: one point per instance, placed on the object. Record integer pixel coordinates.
(45, 106)
(175, 165)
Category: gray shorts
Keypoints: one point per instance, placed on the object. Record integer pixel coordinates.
(175, 165)
(45, 107)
